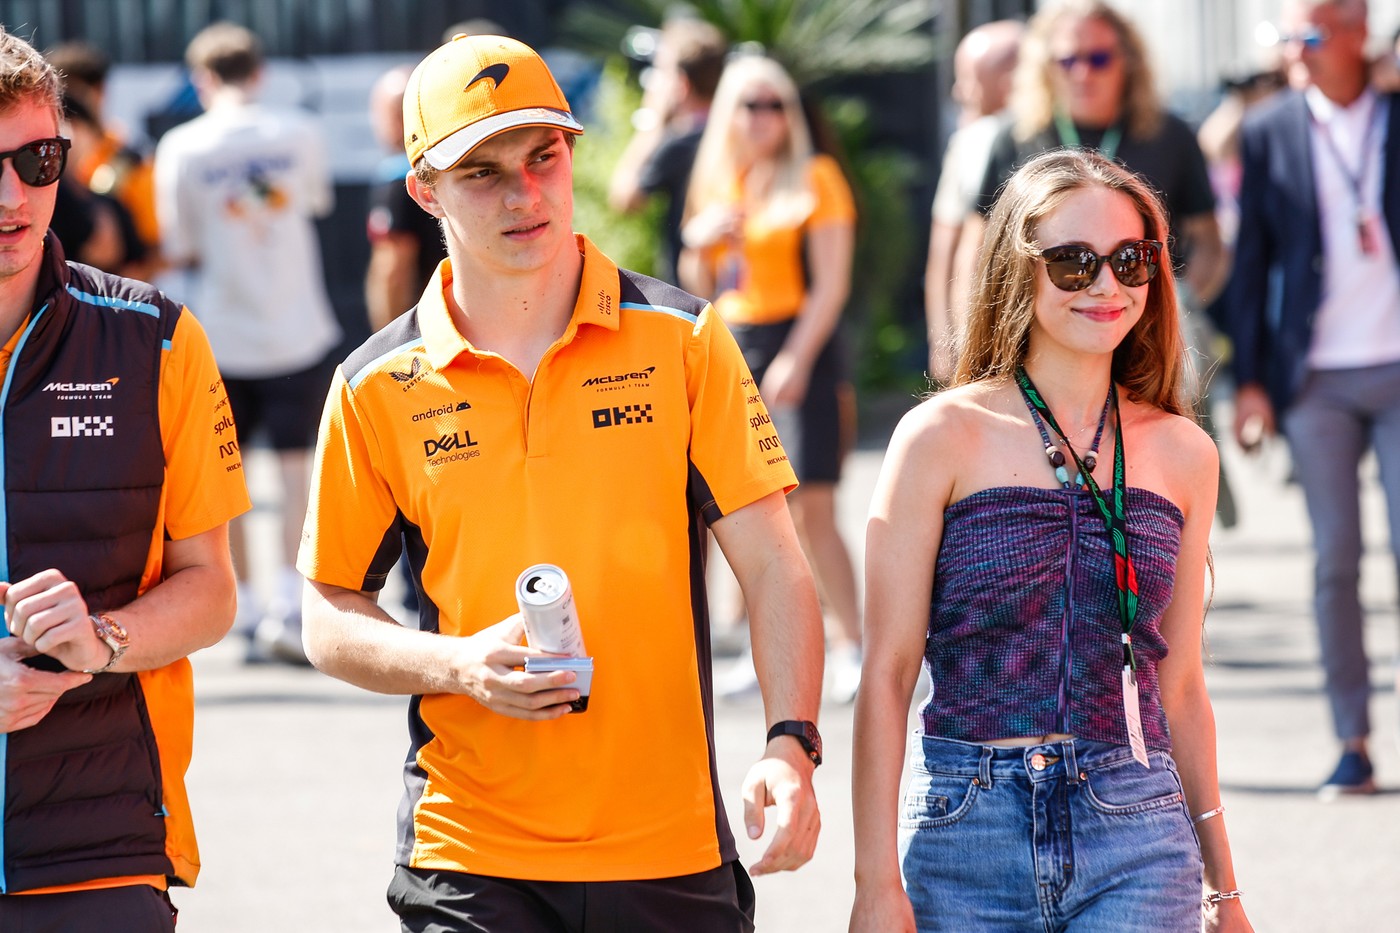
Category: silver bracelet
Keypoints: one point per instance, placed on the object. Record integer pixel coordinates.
(1202, 817)
(1214, 898)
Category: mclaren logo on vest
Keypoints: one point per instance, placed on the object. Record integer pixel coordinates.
(82, 426)
(83, 390)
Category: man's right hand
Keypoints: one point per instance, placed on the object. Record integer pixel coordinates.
(487, 667)
(1254, 416)
(27, 694)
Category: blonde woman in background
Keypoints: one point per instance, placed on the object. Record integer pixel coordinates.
(769, 233)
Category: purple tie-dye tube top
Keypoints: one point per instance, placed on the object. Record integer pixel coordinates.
(1024, 630)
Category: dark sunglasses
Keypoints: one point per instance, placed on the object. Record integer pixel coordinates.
(1074, 268)
(39, 163)
(1097, 60)
(764, 106)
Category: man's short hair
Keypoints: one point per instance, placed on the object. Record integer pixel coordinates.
(226, 50)
(80, 63)
(700, 50)
(27, 75)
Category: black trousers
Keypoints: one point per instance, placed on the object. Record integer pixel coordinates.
(717, 901)
(137, 908)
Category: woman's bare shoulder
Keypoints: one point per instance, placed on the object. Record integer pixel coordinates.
(957, 416)
(1178, 457)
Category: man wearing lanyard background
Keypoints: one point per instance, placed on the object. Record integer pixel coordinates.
(1314, 308)
(1084, 80)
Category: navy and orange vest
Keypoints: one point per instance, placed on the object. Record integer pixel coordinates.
(83, 467)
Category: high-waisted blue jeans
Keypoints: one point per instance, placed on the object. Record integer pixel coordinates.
(1068, 836)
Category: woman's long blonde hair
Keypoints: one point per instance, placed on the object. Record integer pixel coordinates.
(1033, 102)
(779, 186)
(1150, 361)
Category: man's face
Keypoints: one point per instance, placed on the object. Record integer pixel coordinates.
(1088, 70)
(25, 212)
(1323, 42)
(508, 206)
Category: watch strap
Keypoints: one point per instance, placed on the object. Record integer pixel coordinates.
(805, 731)
(112, 634)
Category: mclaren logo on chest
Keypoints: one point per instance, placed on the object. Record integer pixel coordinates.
(68, 391)
(613, 380)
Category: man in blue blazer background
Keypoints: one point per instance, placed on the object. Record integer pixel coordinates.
(1314, 311)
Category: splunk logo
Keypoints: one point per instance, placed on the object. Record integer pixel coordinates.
(82, 426)
(625, 414)
(643, 374)
(447, 409)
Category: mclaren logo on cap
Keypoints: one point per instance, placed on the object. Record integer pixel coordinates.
(497, 73)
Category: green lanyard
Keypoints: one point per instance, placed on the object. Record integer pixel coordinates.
(1115, 518)
(1069, 136)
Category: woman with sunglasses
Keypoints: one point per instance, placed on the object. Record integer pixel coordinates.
(769, 232)
(1038, 537)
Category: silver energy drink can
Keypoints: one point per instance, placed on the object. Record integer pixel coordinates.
(547, 606)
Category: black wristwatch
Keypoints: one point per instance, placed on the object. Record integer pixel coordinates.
(805, 732)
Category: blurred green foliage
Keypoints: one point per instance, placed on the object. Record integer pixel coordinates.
(818, 41)
(630, 240)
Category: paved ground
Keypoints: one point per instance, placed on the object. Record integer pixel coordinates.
(295, 778)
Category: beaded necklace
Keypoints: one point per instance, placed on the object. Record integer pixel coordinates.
(1056, 456)
(1115, 519)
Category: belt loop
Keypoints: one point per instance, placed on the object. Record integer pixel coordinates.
(1071, 765)
(984, 768)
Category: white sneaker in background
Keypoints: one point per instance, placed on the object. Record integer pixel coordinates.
(278, 638)
(843, 673)
(249, 613)
(739, 680)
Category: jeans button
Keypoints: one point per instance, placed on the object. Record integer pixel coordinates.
(1038, 761)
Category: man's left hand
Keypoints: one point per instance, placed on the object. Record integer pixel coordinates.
(782, 778)
(48, 612)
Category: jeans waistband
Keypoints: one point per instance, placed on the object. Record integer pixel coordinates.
(1068, 759)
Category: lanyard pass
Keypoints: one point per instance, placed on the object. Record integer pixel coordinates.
(1367, 232)
(1132, 708)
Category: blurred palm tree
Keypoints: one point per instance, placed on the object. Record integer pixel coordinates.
(814, 39)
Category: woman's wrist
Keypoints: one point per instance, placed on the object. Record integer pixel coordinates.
(1213, 899)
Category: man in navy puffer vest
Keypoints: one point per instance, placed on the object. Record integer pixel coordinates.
(119, 475)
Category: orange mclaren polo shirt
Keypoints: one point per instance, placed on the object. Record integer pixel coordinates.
(641, 423)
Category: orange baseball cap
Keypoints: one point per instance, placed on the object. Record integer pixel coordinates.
(473, 88)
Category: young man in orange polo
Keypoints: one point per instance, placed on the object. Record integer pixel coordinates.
(541, 405)
(118, 484)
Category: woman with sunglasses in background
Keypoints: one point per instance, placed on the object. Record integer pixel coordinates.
(1038, 537)
(769, 232)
